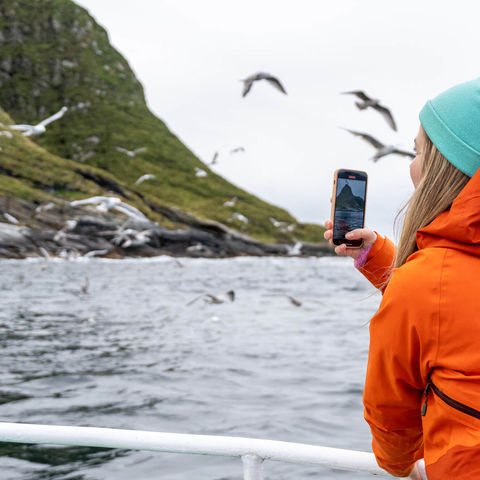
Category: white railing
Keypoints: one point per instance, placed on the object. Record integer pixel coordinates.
(252, 451)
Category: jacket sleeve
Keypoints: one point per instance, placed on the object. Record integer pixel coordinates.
(379, 264)
(394, 381)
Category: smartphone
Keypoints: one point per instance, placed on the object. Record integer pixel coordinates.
(348, 205)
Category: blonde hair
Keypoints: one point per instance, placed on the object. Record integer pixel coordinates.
(439, 185)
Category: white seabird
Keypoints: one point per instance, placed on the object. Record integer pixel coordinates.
(10, 218)
(216, 299)
(375, 104)
(239, 217)
(231, 203)
(132, 238)
(274, 81)
(131, 153)
(105, 204)
(237, 150)
(61, 234)
(94, 253)
(200, 173)
(44, 207)
(147, 176)
(382, 149)
(276, 223)
(296, 249)
(40, 127)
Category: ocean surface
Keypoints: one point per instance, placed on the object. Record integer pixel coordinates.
(126, 351)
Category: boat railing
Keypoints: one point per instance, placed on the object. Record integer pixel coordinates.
(252, 451)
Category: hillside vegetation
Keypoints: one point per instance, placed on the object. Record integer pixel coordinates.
(53, 53)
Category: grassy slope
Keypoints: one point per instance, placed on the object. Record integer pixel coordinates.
(54, 54)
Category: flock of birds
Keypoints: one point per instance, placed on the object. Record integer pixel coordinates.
(130, 237)
(382, 150)
(230, 296)
(364, 103)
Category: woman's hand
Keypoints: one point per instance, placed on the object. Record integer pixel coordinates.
(369, 238)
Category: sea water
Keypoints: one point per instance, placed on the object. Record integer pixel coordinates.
(124, 350)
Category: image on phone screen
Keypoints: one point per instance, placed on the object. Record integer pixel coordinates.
(349, 204)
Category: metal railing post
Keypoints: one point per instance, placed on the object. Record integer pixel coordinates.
(252, 467)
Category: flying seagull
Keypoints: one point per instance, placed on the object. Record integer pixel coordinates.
(214, 159)
(40, 127)
(237, 150)
(382, 150)
(274, 81)
(209, 298)
(296, 249)
(131, 153)
(375, 104)
(294, 301)
(141, 179)
(105, 204)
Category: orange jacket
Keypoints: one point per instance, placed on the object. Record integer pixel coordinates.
(428, 324)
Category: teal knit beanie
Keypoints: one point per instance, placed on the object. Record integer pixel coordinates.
(452, 122)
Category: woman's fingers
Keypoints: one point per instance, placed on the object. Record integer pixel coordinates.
(369, 236)
(328, 234)
(341, 249)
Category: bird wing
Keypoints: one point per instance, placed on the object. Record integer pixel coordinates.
(139, 150)
(359, 93)
(130, 211)
(22, 128)
(194, 300)
(247, 85)
(87, 201)
(387, 115)
(368, 138)
(123, 150)
(276, 83)
(294, 301)
(404, 153)
(147, 176)
(54, 117)
(238, 149)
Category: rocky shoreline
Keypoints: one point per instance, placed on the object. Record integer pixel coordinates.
(71, 232)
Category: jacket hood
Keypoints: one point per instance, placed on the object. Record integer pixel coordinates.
(459, 227)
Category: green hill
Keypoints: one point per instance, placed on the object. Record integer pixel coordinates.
(53, 53)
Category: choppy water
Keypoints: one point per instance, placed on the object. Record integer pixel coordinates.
(129, 353)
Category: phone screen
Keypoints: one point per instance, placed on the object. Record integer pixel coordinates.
(349, 211)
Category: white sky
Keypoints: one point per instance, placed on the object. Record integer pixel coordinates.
(190, 54)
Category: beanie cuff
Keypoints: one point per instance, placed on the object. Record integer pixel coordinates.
(455, 150)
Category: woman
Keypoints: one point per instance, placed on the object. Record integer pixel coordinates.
(422, 389)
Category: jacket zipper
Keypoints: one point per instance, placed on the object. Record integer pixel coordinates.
(448, 400)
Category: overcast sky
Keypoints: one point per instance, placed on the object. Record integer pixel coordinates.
(191, 54)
